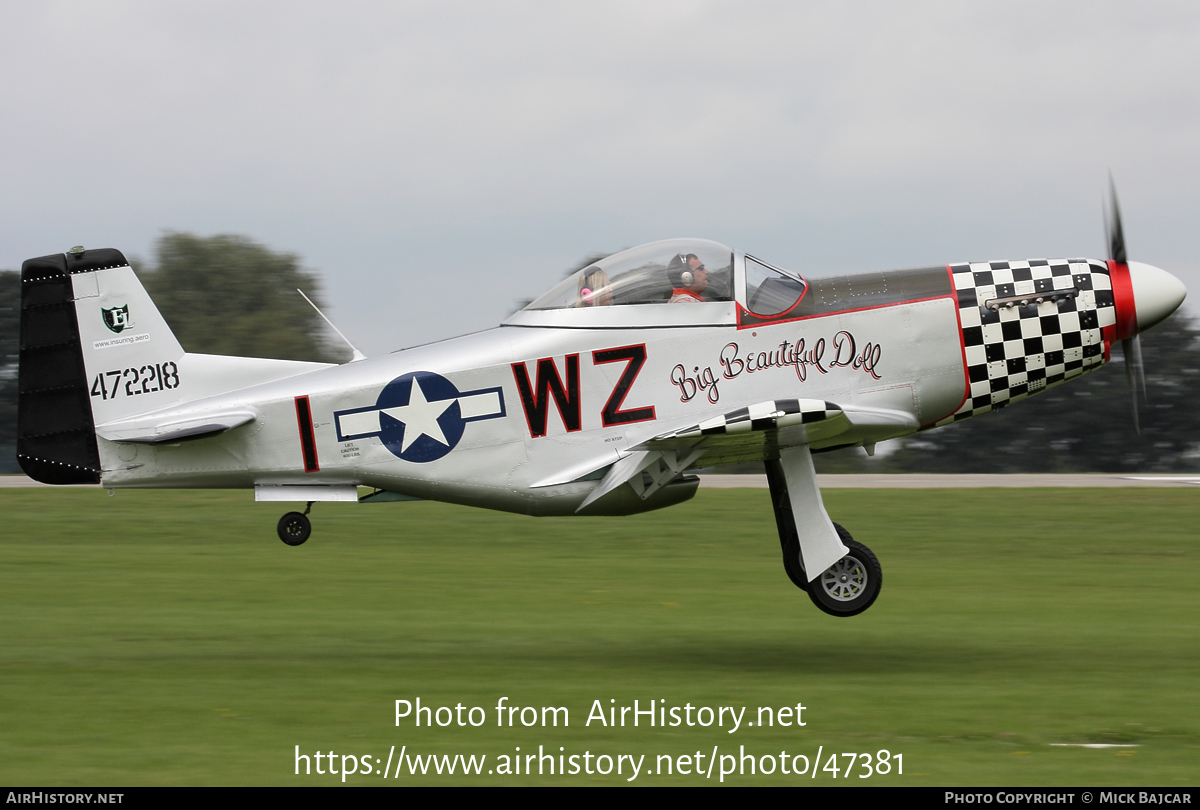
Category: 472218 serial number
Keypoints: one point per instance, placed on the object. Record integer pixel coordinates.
(133, 382)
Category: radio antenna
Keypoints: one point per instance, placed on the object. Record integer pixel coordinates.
(357, 354)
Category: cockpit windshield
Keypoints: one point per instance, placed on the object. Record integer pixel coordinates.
(671, 271)
(770, 291)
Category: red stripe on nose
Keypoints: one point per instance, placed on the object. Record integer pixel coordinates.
(1127, 325)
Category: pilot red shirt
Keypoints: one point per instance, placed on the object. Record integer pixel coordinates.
(681, 296)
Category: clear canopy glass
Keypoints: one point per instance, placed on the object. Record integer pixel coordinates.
(769, 290)
(671, 271)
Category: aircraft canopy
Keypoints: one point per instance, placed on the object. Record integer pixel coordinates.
(675, 282)
(649, 274)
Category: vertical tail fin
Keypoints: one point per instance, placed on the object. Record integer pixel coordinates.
(93, 345)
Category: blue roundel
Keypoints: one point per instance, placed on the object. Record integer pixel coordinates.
(420, 419)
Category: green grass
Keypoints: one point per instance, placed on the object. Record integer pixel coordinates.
(170, 638)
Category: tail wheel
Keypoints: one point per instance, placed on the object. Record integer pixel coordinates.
(294, 528)
(850, 585)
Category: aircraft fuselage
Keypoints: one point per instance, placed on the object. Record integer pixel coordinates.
(494, 418)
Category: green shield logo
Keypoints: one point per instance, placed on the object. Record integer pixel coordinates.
(117, 318)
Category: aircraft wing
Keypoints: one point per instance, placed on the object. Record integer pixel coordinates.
(756, 432)
(752, 433)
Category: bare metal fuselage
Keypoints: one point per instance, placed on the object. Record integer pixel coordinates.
(906, 357)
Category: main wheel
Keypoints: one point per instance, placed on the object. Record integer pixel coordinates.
(850, 585)
(792, 565)
(294, 528)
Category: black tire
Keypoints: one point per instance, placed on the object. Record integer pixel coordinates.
(851, 585)
(792, 565)
(294, 528)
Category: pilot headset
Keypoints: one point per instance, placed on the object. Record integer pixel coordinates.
(686, 277)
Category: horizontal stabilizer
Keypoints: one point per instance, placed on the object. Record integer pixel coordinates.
(175, 425)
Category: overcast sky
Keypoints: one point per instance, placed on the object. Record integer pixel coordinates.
(436, 162)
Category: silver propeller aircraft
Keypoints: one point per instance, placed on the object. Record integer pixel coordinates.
(595, 399)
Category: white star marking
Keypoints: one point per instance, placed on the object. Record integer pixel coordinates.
(420, 417)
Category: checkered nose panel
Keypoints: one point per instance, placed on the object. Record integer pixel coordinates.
(1028, 326)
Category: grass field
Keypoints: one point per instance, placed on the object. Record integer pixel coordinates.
(170, 638)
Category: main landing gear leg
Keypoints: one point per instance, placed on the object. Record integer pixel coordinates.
(792, 564)
(850, 576)
(295, 527)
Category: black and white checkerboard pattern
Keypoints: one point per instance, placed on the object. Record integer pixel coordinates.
(1016, 351)
(763, 416)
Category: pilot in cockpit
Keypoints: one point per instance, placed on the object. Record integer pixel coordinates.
(689, 279)
(594, 288)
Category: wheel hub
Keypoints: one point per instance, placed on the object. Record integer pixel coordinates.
(845, 580)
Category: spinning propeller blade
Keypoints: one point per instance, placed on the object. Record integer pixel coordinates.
(1131, 347)
(1114, 233)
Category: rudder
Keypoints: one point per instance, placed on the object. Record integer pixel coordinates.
(56, 437)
